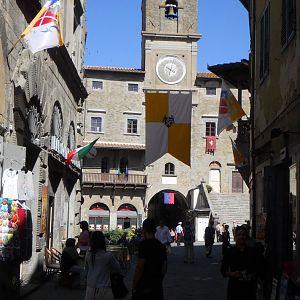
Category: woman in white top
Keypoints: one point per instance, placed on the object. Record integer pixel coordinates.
(98, 265)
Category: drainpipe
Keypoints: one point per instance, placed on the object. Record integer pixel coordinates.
(252, 116)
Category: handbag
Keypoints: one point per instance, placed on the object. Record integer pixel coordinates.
(118, 286)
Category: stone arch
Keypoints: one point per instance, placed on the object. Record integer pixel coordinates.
(57, 122)
(99, 215)
(33, 119)
(127, 216)
(71, 143)
(215, 164)
(170, 213)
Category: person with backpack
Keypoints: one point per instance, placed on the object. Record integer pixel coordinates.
(189, 239)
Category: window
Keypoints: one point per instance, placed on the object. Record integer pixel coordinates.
(288, 21)
(96, 124)
(99, 223)
(132, 126)
(237, 182)
(133, 87)
(264, 43)
(97, 85)
(169, 169)
(105, 165)
(211, 91)
(210, 129)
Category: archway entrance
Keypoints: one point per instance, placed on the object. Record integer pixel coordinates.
(99, 217)
(127, 216)
(159, 209)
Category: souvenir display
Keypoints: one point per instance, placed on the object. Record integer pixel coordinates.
(15, 217)
(9, 235)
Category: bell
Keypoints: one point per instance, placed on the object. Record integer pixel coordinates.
(170, 11)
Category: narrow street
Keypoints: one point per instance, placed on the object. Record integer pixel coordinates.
(199, 281)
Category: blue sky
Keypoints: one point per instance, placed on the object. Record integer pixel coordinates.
(114, 33)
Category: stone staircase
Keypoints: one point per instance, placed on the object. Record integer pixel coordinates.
(227, 208)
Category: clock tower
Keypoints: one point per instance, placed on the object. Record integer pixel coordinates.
(169, 44)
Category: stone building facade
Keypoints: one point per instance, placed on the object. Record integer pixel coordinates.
(40, 112)
(119, 189)
(116, 95)
(275, 85)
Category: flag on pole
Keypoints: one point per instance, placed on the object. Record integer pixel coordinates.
(239, 158)
(169, 198)
(79, 153)
(168, 126)
(44, 31)
(230, 109)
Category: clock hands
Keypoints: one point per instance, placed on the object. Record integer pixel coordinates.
(170, 68)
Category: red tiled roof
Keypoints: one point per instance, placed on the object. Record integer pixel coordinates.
(111, 145)
(207, 75)
(114, 69)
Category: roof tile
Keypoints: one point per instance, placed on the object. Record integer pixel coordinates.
(114, 69)
(207, 75)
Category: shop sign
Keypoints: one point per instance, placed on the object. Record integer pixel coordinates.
(44, 209)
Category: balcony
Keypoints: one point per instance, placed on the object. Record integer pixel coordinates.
(106, 180)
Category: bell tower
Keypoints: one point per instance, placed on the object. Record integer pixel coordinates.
(169, 44)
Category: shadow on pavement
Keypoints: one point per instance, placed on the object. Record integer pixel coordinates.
(199, 281)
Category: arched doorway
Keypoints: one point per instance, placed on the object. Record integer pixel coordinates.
(99, 217)
(159, 209)
(126, 216)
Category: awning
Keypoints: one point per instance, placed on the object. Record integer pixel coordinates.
(110, 145)
(127, 214)
(98, 213)
(237, 73)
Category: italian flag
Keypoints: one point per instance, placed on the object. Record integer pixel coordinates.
(79, 153)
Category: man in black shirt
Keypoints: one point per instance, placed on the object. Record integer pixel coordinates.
(242, 265)
(151, 266)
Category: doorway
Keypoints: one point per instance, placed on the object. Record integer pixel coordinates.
(170, 213)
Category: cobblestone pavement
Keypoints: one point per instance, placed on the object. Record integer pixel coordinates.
(199, 281)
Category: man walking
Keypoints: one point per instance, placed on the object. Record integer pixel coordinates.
(209, 237)
(163, 235)
(189, 239)
(151, 266)
(179, 233)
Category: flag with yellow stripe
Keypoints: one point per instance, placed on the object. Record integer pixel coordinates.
(230, 109)
(168, 126)
(239, 158)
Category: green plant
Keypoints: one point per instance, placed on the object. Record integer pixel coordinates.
(114, 235)
(209, 188)
(130, 233)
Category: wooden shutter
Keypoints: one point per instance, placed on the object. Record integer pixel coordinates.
(237, 182)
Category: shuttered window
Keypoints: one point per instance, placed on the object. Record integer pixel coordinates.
(288, 21)
(264, 43)
(237, 182)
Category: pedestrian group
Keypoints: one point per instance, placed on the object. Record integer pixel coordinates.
(100, 272)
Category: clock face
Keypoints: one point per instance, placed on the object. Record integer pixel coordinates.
(170, 69)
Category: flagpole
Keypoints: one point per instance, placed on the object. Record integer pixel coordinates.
(14, 45)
